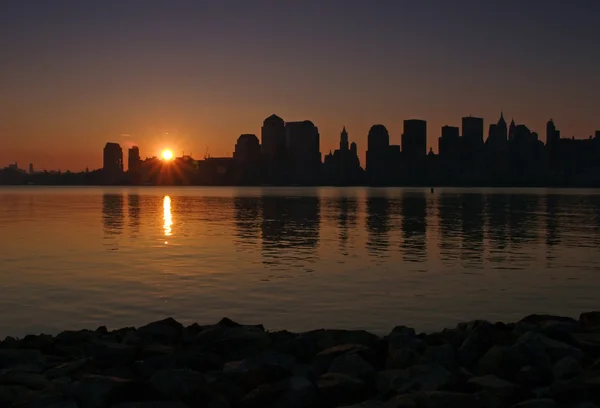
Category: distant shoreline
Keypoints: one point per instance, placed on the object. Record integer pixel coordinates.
(539, 361)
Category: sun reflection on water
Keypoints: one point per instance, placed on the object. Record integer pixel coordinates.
(167, 217)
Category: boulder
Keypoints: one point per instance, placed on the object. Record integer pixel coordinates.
(537, 346)
(429, 377)
(404, 348)
(192, 359)
(446, 399)
(401, 401)
(396, 381)
(323, 360)
(151, 404)
(181, 385)
(324, 339)
(501, 361)
(68, 368)
(234, 343)
(493, 385)
(294, 392)
(536, 403)
(590, 320)
(566, 368)
(338, 390)
(163, 331)
(533, 377)
(22, 360)
(11, 393)
(260, 369)
(444, 355)
(33, 381)
(95, 391)
(353, 365)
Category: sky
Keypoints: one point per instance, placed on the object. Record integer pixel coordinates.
(192, 75)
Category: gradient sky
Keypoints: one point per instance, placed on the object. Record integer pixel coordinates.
(75, 74)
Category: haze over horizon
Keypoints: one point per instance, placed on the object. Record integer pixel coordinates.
(188, 75)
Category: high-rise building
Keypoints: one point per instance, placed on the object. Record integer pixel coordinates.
(302, 150)
(472, 131)
(344, 140)
(449, 142)
(31, 168)
(273, 137)
(113, 159)
(247, 150)
(512, 130)
(414, 139)
(552, 134)
(378, 154)
(134, 160)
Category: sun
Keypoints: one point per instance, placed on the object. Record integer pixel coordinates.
(167, 155)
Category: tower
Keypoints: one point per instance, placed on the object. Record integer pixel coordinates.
(512, 130)
(344, 140)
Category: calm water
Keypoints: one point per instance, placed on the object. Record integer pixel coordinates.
(293, 258)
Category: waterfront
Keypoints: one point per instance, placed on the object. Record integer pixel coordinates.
(294, 258)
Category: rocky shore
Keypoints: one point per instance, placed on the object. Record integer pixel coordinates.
(538, 362)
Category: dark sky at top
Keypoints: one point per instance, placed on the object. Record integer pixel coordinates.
(75, 74)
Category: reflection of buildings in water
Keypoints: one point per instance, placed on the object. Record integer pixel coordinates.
(112, 213)
(450, 224)
(496, 209)
(414, 227)
(134, 212)
(552, 222)
(167, 216)
(343, 213)
(247, 215)
(290, 229)
(523, 220)
(378, 224)
(472, 227)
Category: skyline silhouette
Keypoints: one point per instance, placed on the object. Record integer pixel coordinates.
(197, 74)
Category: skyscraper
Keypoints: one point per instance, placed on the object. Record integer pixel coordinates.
(302, 150)
(448, 143)
(133, 159)
(247, 150)
(344, 140)
(472, 131)
(273, 137)
(414, 139)
(113, 159)
(378, 153)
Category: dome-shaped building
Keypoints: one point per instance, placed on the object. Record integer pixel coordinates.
(273, 136)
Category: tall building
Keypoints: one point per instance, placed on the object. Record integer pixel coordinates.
(378, 154)
(344, 140)
(552, 134)
(273, 137)
(512, 130)
(414, 139)
(472, 131)
(497, 135)
(133, 159)
(449, 142)
(113, 159)
(302, 150)
(247, 150)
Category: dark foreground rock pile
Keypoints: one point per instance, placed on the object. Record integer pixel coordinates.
(539, 362)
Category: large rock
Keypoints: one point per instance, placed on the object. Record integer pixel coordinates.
(533, 377)
(339, 390)
(323, 360)
(68, 368)
(444, 354)
(234, 342)
(494, 385)
(294, 392)
(393, 381)
(324, 339)
(590, 320)
(566, 368)
(11, 393)
(549, 325)
(192, 359)
(96, 391)
(151, 404)
(22, 360)
(537, 346)
(29, 380)
(353, 365)
(260, 369)
(446, 399)
(480, 336)
(501, 361)
(181, 385)
(164, 331)
(537, 403)
(404, 348)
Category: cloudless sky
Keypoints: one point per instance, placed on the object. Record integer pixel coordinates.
(75, 74)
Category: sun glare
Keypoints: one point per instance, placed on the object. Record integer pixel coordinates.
(167, 155)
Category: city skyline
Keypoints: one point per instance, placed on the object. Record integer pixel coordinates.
(203, 72)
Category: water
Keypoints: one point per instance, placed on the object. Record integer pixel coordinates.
(293, 258)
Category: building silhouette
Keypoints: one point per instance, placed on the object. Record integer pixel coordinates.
(378, 155)
(134, 161)
(303, 154)
(113, 162)
(472, 132)
(414, 139)
(247, 159)
(342, 167)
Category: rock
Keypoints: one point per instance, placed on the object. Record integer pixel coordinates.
(194, 360)
(33, 381)
(294, 392)
(590, 320)
(22, 360)
(392, 380)
(167, 331)
(568, 390)
(113, 354)
(45, 399)
(567, 367)
(181, 385)
(429, 377)
(353, 365)
(478, 341)
(325, 339)
(367, 404)
(537, 346)
(444, 355)
(404, 348)
(11, 393)
(494, 385)
(533, 377)
(67, 369)
(132, 338)
(446, 399)
(94, 391)
(234, 343)
(323, 360)
(260, 369)
(151, 404)
(547, 324)
(401, 401)
(501, 361)
(339, 390)
(536, 403)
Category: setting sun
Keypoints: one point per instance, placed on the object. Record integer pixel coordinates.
(167, 155)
